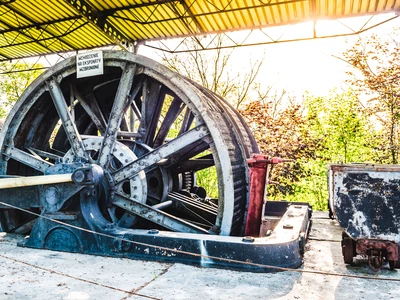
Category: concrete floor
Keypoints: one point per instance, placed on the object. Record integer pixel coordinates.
(41, 274)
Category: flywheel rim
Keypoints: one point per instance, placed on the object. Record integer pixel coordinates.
(228, 137)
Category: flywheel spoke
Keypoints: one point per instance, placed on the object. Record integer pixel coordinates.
(187, 121)
(196, 164)
(41, 153)
(33, 161)
(116, 114)
(132, 98)
(92, 109)
(152, 158)
(152, 102)
(157, 216)
(173, 112)
(66, 118)
(186, 153)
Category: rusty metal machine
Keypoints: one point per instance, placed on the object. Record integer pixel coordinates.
(365, 200)
(107, 165)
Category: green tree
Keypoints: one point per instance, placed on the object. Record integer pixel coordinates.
(282, 130)
(319, 131)
(341, 122)
(375, 73)
(14, 81)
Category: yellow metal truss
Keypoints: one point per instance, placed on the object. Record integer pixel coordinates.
(29, 28)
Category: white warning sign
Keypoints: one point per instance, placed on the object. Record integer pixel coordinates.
(89, 64)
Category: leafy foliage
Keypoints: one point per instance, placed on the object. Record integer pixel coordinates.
(283, 133)
(320, 131)
(208, 178)
(340, 121)
(375, 72)
(14, 83)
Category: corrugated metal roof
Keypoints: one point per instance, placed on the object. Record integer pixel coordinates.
(30, 28)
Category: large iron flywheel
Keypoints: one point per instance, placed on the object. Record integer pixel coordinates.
(151, 130)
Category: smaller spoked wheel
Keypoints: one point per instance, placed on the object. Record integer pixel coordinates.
(134, 188)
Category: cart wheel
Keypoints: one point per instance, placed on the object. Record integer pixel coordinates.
(348, 250)
(392, 264)
(375, 262)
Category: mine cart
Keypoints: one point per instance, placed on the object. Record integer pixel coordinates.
(365, 198)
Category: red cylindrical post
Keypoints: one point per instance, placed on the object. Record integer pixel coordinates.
(258, 165)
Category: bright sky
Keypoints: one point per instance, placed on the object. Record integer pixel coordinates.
(306, 65)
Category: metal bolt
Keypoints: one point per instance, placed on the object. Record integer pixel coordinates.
(153, 231)
(287, 226)
(248, 239)
(79, 176)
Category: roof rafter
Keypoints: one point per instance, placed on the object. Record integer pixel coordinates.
(23, 15)
(43, 26)
(192, 15)
(139, 5)
(39, 24)
(5, 56)
(44, 39)
(210, 13)
(232, 43)
(99, 19)
(32, 40)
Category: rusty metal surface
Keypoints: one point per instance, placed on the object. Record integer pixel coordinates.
(258, 179)
(364, 246)
(379, 253)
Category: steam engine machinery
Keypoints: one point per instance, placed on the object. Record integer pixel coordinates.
(100, 155)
